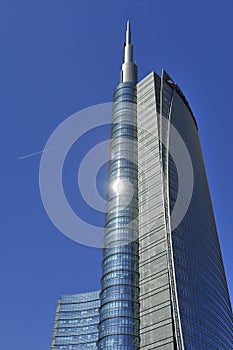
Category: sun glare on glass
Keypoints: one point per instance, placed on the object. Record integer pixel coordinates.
(118, 186)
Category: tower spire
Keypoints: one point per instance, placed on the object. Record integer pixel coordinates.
(129, 69)
(128, 47)
(128, 34)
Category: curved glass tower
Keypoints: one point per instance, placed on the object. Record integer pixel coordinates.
(163, 285)
(205, 314)
(119, 311)
(184, 299)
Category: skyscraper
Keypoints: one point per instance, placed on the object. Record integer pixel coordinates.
(76, 322)
(119, 312)
(163, 284)
(184, 299)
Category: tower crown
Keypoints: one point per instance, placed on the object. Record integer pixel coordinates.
(129, 68)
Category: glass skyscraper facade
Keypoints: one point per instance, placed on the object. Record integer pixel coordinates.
(119, 312)
(184, 299)
(76, 322)
(163, 284)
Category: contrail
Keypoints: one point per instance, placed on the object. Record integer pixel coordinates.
(39, 152)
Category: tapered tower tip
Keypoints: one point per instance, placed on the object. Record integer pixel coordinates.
(129, 69)
(128, 33)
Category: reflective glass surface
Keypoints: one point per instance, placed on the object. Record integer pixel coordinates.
(203, 299)
(119, 311)
(76, 323)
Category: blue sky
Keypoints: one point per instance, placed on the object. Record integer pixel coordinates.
(58, 57)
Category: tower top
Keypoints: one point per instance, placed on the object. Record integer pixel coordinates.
(128, 47)
(129, 69)
(128, 33)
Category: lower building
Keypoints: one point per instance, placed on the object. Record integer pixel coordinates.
(76, 322)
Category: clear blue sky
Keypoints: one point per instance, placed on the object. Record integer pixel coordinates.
(58, 57)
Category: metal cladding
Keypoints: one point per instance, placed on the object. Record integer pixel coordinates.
(129, 68)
